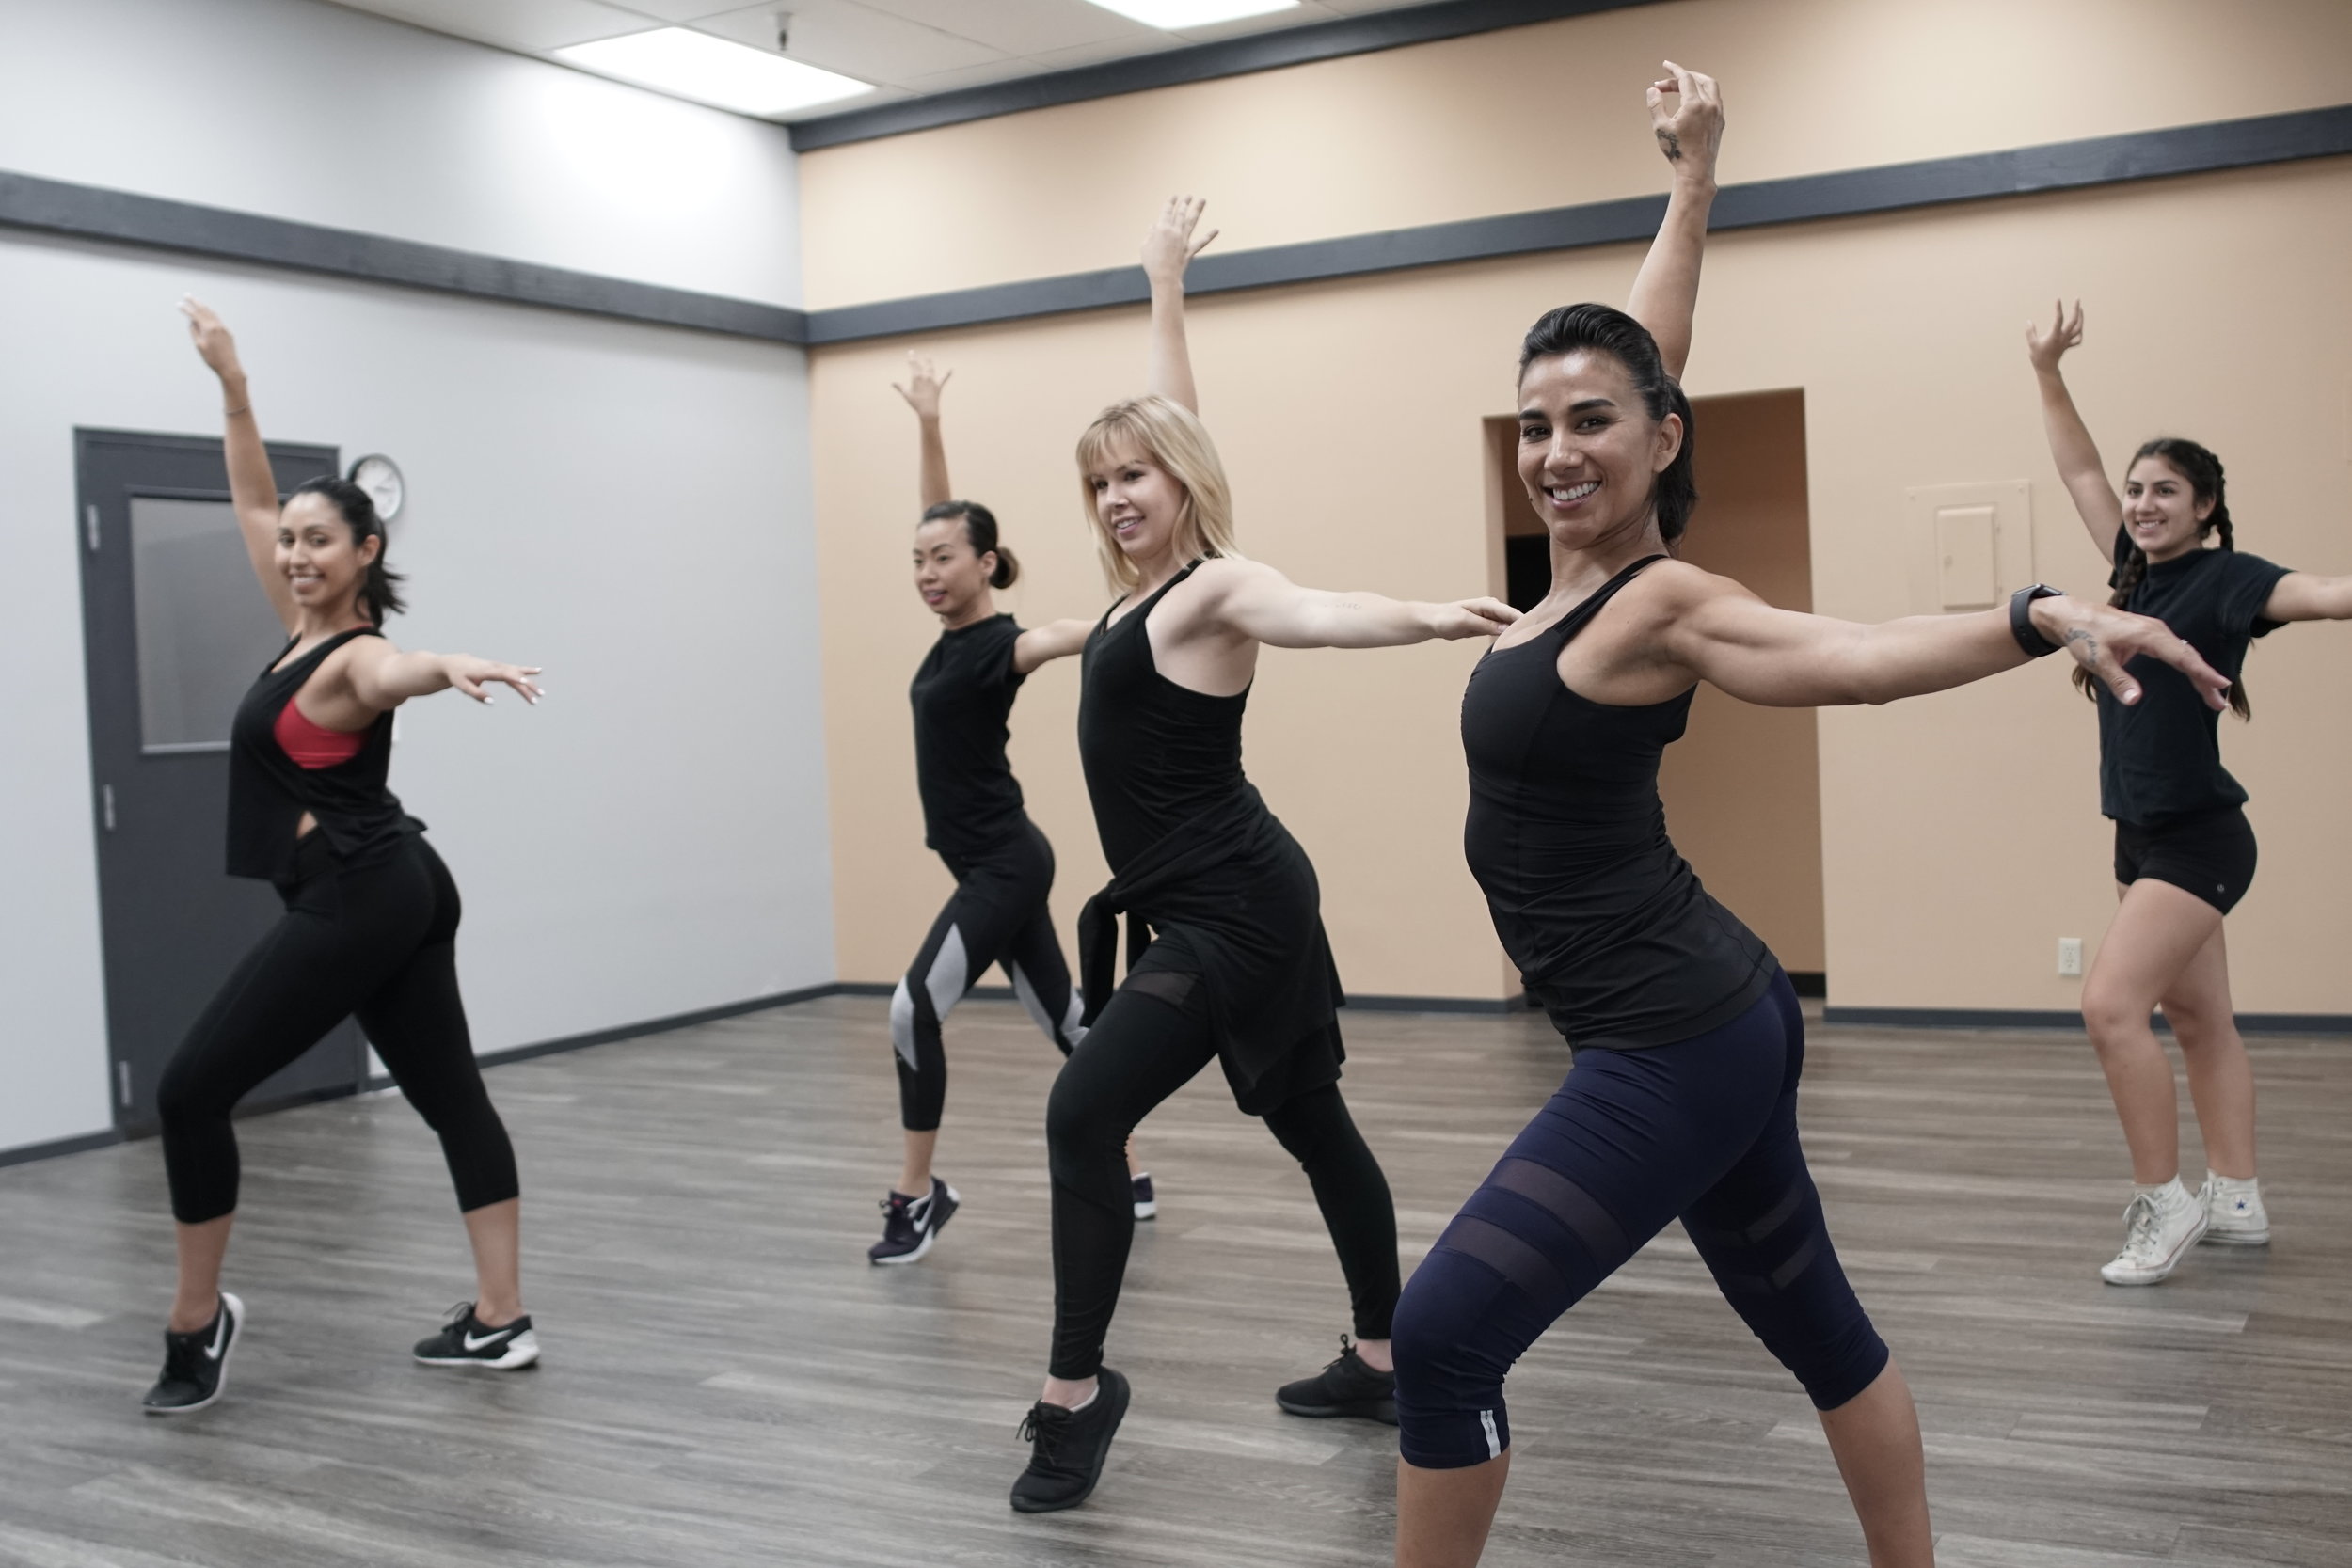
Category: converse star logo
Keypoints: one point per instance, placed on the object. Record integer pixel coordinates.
(490, 1338)
(220, 1337)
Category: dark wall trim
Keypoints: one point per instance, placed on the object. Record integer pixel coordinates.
(1201, 62)
(59, 1146)
(1893, 187)
(653, 1025)
(2070, 1022)
(88, 212)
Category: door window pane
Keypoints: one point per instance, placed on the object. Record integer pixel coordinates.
(205, 627)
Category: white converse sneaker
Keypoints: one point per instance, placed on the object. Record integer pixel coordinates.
(2235, 1216)
(2158, 1230)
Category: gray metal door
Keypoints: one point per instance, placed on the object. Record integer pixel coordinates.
(174, 628)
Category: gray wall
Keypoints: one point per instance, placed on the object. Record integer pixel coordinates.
(627, 505)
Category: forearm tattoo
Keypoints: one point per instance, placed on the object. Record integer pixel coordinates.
(2083, 644)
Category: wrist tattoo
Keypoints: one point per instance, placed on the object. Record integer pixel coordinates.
(1671, 145)
(2083, 644)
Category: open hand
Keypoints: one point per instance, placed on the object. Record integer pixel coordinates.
(1169, 245)
(213, 342)
(2103, 640)
(923, 386)
(469, 675)
(1471, 618)
(1686, 113)
(2045, 349)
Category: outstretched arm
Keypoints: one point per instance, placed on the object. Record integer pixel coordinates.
(1167, 250)
(1043, 644)
(252, 484)
(2300, 596)
(382, 676)
(1726, 635)
(1259, 603)
(924, 385)
(1686, 113)
(2071, 444)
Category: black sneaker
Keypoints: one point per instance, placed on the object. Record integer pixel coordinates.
(466, 1340)
(1345, 1387)
(1067, 1448)
(909, 1225)
(1147, 1206)
(196, 1366)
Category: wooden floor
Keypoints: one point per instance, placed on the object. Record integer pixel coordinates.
(727, 1381)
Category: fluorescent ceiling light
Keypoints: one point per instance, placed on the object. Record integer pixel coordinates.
(1177, 14)
(712, 70)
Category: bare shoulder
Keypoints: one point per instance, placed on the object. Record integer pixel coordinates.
(1674, 589)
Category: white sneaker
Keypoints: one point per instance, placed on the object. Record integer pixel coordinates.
(2235, 1216)
(2158, 1230)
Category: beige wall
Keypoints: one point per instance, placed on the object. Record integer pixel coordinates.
(1960, 833)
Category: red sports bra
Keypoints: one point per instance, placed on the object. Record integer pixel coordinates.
(314, 745)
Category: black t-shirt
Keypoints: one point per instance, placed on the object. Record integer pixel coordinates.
(963, 697)
(2161, 757)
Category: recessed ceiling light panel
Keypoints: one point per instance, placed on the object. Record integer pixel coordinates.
(712, 70)
(1175, 15)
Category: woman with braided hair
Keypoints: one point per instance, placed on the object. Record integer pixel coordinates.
(2183, 851)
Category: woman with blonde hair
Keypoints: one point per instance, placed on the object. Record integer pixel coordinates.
(1227, 958)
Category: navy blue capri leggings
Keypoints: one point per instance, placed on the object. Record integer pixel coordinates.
(1706, 1130)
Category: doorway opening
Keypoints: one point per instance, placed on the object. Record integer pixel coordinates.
(1743, 788)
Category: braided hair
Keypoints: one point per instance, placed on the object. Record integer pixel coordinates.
(2202, 469)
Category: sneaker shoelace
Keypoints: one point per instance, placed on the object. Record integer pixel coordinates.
(1044, 1427)
(2143, 1230)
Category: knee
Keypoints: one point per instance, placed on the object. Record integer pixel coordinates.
(1449, 1395)
(902, 1025)
(1077, 1127)
(2113, 1015)
(184, 1099)
(2201, 1030)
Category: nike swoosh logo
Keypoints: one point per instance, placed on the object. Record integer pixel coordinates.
(220, 1337)
(473, 1344)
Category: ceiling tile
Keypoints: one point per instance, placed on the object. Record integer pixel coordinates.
(526, 24)
(1023, 27)
(856, 41)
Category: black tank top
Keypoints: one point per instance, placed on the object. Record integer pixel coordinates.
(1566, 836)
(268, 792)
(962, 696)
(1225, 893)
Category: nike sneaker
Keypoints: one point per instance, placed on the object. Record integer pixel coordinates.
(466, 1340)
(911, 1224)
(1348, 1386)
(196, 1366)
(1147, 1204)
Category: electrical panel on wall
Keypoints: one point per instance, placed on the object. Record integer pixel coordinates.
(1971, 546)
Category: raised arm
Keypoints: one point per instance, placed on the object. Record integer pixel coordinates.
(1253, 599)
(1686, 113)
(252, 484)
(1167, 250)
(1043, 644)
(1723, 634)
(2077, 455)
(924, 384)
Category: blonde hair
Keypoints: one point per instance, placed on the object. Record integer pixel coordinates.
(1172, 437)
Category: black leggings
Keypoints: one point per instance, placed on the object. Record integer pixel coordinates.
(379, 942)
(997, 914)
(1705, 1128)
(1142, 1050)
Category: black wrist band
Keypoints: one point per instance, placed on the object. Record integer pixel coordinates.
(2021, 625)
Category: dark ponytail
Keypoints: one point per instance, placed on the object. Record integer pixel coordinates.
(980, 527)
(2207, 483)
(379, 591)
(1628, 342)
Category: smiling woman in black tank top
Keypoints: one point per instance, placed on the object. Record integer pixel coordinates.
(2183, 851)
(371, 920)
(1688, 1041)
(1228, 959)
(974, 820)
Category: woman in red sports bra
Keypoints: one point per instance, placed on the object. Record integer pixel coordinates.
(371, 921)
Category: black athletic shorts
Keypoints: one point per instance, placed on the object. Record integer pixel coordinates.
(2210, 854)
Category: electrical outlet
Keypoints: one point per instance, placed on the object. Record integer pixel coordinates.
(2069, 955)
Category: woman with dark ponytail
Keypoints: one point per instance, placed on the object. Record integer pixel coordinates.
(2183, 851)
(1688, 1041)
(371, 922)
(973, 819)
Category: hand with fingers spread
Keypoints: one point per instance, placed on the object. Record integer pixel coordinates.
(2046, 348)
(1686, 113)
(213, 342)
(469, 675)
(924, 384)
(2103, 640)
(1169, 246)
